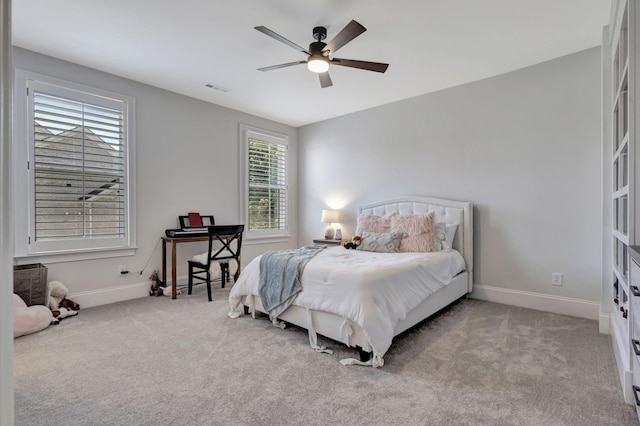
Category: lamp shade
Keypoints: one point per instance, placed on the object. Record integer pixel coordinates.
(330, 216)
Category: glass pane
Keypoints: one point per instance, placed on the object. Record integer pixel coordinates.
(624, 212)
(267, 185)
(267, 208)
(624, 262)
(624, 167)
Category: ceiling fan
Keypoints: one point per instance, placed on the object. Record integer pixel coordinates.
(320, 54)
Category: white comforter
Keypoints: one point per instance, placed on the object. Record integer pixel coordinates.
(373, 290)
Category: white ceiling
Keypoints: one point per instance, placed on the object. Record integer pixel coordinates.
(181, 45)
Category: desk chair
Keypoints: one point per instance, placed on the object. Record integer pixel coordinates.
(200, 270)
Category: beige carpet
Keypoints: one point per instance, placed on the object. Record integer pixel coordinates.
(155, 361)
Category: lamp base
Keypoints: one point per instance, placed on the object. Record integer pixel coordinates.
(328, 233)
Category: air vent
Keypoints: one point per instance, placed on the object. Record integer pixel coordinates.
(216, 87)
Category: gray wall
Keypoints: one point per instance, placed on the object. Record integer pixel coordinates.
(187, 159)
(523, 147)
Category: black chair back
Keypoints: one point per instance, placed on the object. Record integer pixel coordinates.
(226, 235)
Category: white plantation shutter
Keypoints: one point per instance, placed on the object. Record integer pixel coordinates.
(74, 181)
(264, 168)
(267, 184)
(79, 169)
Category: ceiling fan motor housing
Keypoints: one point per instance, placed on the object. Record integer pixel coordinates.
(316, 47)
(319, 33)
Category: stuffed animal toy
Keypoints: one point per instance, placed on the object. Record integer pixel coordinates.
(61, 306)
(62, 313)
(355, 242)
(167, 291)
(30, 319)
(156, 285)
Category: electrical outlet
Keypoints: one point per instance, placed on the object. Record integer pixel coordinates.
(556, 278)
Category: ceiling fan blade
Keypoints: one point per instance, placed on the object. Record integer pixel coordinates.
(363, 65)
(325, 80)
(278, 37)
(348, 33)
(275, 67)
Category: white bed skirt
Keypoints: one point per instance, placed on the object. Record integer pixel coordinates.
(331, 325)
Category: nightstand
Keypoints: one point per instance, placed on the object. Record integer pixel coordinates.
(328, 242)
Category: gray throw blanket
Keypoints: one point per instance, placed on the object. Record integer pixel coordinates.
(280, 273)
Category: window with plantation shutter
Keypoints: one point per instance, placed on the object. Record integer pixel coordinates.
(266, 183)
(77, 168)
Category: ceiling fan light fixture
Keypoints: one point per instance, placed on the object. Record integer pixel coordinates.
(318, 63)
(320, 54)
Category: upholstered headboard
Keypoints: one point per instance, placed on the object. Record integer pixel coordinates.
(447, 211)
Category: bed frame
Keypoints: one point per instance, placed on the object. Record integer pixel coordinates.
(448, 211)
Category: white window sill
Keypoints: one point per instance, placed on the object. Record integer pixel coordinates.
(266, 239)
(74, 256)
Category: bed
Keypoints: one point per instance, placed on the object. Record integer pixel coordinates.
(371, 330)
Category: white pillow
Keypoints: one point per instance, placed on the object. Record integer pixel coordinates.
(445, 233)
(451, 229)
(201, 258)
(214, 269)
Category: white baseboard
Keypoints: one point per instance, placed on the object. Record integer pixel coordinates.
(104, 296)
(604, 323)
(88, 299)
(541, 302)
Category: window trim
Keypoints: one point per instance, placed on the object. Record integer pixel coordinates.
(270, 235)
(23, 202)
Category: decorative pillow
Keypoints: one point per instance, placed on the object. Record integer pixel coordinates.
(381, 242)
(451, 232)
(374, 223)
(419, 230)
(214, 269)
(444, 234)
(29, 319)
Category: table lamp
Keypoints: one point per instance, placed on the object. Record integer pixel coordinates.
(329, 217)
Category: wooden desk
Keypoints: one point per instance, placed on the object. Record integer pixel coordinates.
(174, 241)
